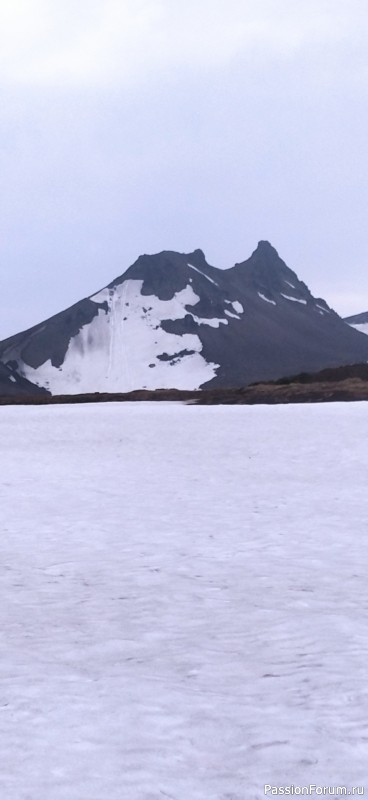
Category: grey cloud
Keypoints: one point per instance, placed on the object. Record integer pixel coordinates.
(189, 151)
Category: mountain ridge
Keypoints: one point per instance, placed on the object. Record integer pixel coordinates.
(171, 320)
(359, 322)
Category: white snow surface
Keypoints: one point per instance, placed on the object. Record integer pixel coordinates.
(361, 326)
(267, 299)
(230, 314)
(184, 600)
(119, 350)
(238, 308)
(295, 299)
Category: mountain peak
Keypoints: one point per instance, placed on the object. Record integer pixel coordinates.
(264, 259)
(198, 255)
(265, 253)
(267, 273)
(265, 247)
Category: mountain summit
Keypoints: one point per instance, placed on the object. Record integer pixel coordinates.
(171, 320)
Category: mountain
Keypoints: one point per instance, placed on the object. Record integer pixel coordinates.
(172, 320)
(359, 322)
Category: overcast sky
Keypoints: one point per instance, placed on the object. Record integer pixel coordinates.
(133, 126)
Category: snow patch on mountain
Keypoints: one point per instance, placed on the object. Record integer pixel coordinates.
(203, 273)
(294, 299)
(126, 347)
(267, 299)
(236, 309)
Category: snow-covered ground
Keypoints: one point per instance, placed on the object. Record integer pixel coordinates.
(184, 600)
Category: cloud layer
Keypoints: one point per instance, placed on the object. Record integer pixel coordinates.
(131, 126)
(99, 42)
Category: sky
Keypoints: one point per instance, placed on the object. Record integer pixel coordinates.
(135, 126)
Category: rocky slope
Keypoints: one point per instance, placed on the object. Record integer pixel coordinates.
(12, 384)
(359, 322)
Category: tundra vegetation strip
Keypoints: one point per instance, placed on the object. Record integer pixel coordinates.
(330, 385)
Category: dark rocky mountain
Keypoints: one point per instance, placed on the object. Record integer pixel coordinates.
(172, 320)
(359, 322)
(12, 384)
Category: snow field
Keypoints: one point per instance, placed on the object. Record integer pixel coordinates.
(184, 600)
(120, 350)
